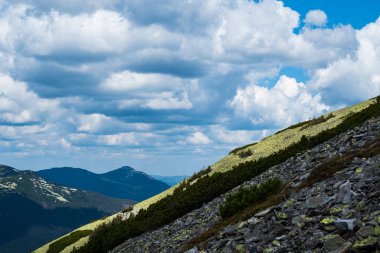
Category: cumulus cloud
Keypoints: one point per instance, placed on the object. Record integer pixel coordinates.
(353, 78)
(285, 103)
(19, 105)
(316, 18)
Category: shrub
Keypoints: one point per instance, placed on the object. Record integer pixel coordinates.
(248, 196)
(62, 243)
(245, 154)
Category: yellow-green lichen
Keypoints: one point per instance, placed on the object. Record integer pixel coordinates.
(377, 231)
(335, 210)
(281, 216)
(240, 248)
(359, 170)
(328, 221)
(368, 242)
(276, 243)
(328, 237)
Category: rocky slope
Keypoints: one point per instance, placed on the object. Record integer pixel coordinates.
(340, 212)
(176, 236)
(125, 182)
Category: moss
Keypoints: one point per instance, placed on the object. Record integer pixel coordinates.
(268, 250)
(378, 219)
(328, 221)
(366, 243)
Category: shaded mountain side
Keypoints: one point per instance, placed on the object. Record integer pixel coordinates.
(124, 182)
(19, 213)
(34, 210)
(170, 180)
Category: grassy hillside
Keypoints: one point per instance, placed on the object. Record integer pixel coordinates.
(255, 152)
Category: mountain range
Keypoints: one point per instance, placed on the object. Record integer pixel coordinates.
(36, 207)
(125, 182)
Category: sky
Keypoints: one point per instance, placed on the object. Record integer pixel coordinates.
(169, 87)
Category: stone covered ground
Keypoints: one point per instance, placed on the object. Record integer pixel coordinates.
(340, 214)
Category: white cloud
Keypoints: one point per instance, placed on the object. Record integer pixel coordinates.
(353, 78)
(198, 138)
(56, 33)
(153, 91)
(127, 81)
(316, 17)
(170, 102)
(18, 104)
(285, 103)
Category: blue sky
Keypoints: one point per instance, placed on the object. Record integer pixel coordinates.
(169, 87)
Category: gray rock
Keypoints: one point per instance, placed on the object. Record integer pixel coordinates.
(334, 242)
(263, 213)
(366, 231)
(345, 194)
(318, 201)
(345, 224)
(193, 250)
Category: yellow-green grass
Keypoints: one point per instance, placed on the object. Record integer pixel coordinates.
(261, 149)
(283, 139)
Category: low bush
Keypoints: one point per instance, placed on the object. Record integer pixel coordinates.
(62, 243)
(247, 196)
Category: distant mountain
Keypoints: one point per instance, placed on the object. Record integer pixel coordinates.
(170, 180)
(124, 182)
(34, 210)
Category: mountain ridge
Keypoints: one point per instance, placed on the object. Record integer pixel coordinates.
(124, 182)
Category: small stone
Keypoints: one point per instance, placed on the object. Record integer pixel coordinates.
(345, 224)
(299, 220)
(365, 243)
(230, 230)
(333, 242)
(242, 224)
(263, 213)
(366, 231)
(345, 248)
(253, 221)
(193, 250)
(314, 202)
(345, 194)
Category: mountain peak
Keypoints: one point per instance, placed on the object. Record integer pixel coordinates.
(7, 170)
(126, 168)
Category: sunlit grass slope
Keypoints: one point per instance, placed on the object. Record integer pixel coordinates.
(261, 149)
